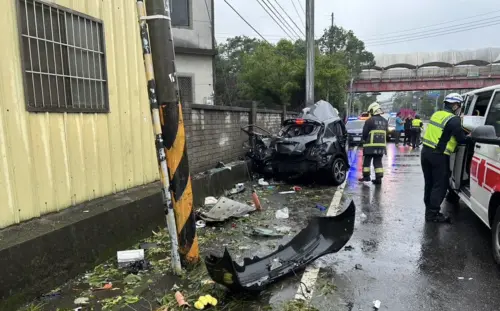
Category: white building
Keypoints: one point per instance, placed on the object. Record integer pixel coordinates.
(193, 30)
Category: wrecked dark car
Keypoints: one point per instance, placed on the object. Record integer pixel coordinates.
(314, 142)
(323, 235)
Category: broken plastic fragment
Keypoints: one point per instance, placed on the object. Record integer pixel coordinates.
(125, 258)
(286, 192)
(461, 278)
(323, 235)
(81, 301)
(226, 208)
(180, 299)
(376, 304)
(259, 231)
(282, 213)
(262, 182)
(200, 224)
(210, 201)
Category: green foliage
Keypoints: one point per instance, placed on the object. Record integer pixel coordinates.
(274, 74)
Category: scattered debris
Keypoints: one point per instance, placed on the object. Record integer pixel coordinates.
(358, 266)
(220, 164)
(175, 287)
(283, 229)
(265, 232)
(262, 182)
(86, 211)
(132, 279)
(243, 248)
(237, 189)
(297, 188)
(470, 279)
(81, 301)
(275, 264)
(348, 248)
(320, 207)
(53, 293)
(256, 200)
(148, 245)
(207, 282)
(180, 299)
(363, 216)
(204, 301)
(282, 213)
(201, 224)
(376, 304)
(286, 192)
(270, 188)
(461, 278)
(137, 266)
(106, 286)
(323, 235)
(226, 208)
(125, 258)
(210, 201)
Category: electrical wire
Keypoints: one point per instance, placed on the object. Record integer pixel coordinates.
(300, 3)
(272, 17)
(278, 16)
(457, 20)
(250, 25)
(426, 32)
(297, 11)
(431, 36)
(290, 18)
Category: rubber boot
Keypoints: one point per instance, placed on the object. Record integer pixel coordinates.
(364, 179)
(438, 218)
(377, 181)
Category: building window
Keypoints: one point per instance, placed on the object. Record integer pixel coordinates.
(180, 13)
(63, 59)
(186, 89)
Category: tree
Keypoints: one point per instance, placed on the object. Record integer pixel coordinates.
(338, 40)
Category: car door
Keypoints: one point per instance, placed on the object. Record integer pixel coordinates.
(341, 133)
(485, 170)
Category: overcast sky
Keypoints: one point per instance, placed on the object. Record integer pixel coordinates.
(376, 21)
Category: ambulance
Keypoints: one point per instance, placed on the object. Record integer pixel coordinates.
(475, 167)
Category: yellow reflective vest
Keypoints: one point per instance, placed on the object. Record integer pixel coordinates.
(416, 123)
(435, 130)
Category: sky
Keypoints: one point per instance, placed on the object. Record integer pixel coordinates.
(380, 23)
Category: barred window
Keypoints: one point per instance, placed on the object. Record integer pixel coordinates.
(186, 89)
(63, 59)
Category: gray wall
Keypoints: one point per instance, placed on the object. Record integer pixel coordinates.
(199, 34)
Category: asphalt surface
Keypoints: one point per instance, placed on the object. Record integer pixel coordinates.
(402, 261)
(393, 255)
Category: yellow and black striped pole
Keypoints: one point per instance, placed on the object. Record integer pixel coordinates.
(172, 124)
(157, 129)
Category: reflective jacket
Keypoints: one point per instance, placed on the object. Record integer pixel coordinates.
(435, 130)
(374, 135)
(416, 124)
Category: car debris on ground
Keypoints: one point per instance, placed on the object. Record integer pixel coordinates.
(210, 201)
(376, 304)
(282, 213)
(128, 257)
(226, 208)
(240, 187)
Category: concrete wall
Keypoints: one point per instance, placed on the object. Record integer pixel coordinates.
(214, 133)
(199, 34)
(50, 161)
(199, 68)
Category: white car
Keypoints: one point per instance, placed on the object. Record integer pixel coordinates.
(475, 168)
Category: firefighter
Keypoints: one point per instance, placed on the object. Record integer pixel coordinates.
(416, 129)
(374, 143)
(443, 134)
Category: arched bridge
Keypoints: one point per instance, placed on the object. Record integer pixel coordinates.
(469, 69)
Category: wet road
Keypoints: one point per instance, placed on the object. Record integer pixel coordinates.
(406, 263)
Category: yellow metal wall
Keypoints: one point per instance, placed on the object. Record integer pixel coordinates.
(50, 161)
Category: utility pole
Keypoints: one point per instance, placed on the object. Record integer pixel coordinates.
(310, 52)
(332, 19)
(172, 124)
(157, 130)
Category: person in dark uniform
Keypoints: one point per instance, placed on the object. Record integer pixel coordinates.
(374, 143)
(416, 129)
(407, 140)
(444, 132)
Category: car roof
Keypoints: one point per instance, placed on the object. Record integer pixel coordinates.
(484, 89)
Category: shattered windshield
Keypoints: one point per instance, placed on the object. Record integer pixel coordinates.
(294, 130)
(320, 111)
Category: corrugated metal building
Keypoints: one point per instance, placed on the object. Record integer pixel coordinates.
(74, 116)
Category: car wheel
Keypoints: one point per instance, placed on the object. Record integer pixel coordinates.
(452, 197)
(339, 171)
(495, 236)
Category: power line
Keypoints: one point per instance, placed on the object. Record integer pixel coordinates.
(290, 18)
(253, 28)
(300, 3)
(297, 11)
(473, 23)
(433, 35)
(279, 17)
(279, 25)
(456, 20)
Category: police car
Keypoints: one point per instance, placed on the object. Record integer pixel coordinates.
(475, 168)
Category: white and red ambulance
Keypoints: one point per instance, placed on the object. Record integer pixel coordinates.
(475, 168)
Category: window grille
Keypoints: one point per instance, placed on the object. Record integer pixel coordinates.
(63, 59)
(186, 89)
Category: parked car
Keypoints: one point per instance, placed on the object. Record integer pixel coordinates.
(392, 130)
(355, 131)
(475, 167)
(314, 142)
